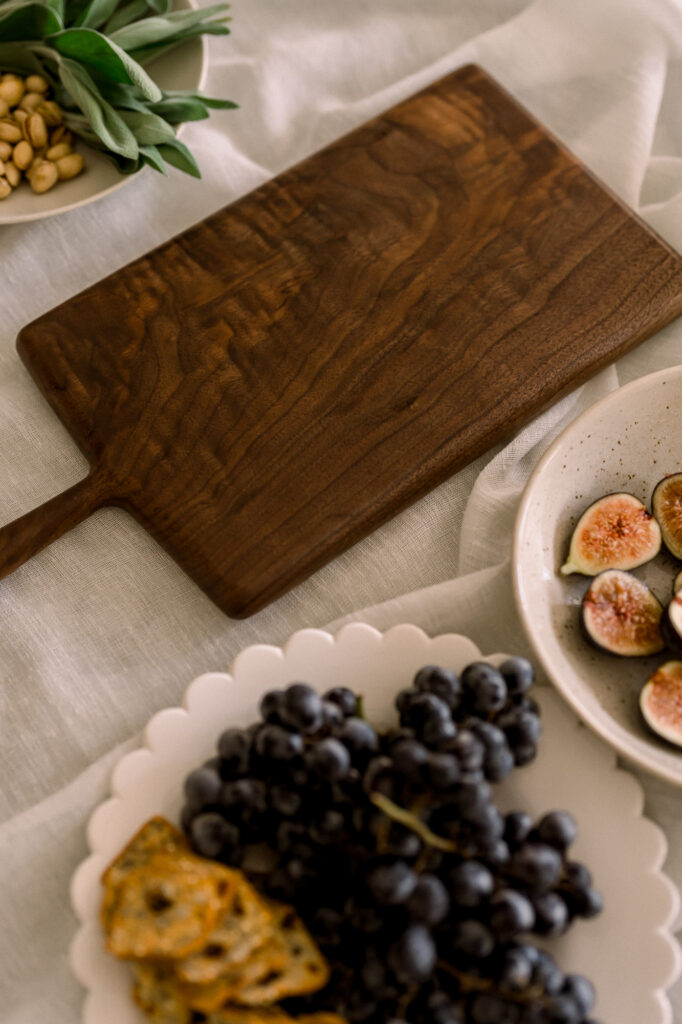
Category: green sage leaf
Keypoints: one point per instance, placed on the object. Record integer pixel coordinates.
(177, 155)
(96, 51)
(105, 122)
(150, 155)
(17, 57)
(149, 129)
(179, 109)
(95, 13)
(27, 21)
(160, 28)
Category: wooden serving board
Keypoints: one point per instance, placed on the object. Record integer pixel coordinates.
(268, 387)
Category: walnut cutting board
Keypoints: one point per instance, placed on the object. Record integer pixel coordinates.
(268, 387)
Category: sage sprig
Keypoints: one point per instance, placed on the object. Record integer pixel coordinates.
(94, 53)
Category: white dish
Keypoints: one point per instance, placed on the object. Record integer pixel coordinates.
(183, 68)
(628, 951)
(626, 442)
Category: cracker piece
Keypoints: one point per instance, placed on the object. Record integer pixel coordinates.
(246, 926)
(306, 971)
(250, 1015)
(168, 906)
(270, 958)
(155, 992)
(323, 1017)
(156, 836)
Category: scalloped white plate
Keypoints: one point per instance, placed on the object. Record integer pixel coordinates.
(626, 442)
(628, 951)
(184, 68)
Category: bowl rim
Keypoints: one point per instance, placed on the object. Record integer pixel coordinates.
(124, 179)
(601, 728)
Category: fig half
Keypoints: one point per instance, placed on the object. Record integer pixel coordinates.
(666, 503)
(622, 616)
(671, 624)
(615, 532)
(661, 701)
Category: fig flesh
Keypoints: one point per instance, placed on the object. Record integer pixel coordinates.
(671, 624)
(661, 701)
(615, 532)
(622, 616)
(666, 503)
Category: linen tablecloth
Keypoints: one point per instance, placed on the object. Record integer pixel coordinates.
(102, 629)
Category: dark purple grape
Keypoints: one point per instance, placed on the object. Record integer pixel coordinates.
(472, 938)
(517, 826)
(537, 866)
(438, 733)
(429, 901)
(523, 728)
(471, 883)
(410, 758)
(245, 794)
(285, 800)
(274, 743)
(551, 914)
(484, 687)
(328, 759)
(413, 956)
(509, 914)
(486, 1008)
(422, 708)
(328, 926)
(301, 708)
(547, 975)
(581, 990)
(358, 736)
(468, 750)
(234, 746)
(440, 681)
(404, 699)
(392, 884)
(518, 673)
(344, 699)
(516, 969)
(442, 770)
(270, 706)
(202, 787)
(558, 829)
(332, 716)
(212, 836)
(562, 1009)
(379, 777)
(329, 827)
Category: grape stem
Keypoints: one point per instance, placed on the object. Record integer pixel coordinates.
(411, 821)
(470, 983)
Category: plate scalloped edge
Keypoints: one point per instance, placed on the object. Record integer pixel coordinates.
(111, 823)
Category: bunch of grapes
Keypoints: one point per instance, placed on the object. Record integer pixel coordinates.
(424, 896)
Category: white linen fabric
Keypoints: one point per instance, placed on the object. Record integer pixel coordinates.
(102, 629)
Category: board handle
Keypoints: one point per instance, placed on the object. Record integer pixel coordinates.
(26, 536)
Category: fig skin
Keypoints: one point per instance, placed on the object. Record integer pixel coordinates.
(620, 615)
(677, 583)
(661, 702)
(671, 625)
(666, 504)
(614, 532)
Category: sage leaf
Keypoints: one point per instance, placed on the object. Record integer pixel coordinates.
(17, 57)
(95, 50)
(95, 13)
(105, 122)
(207, 101)
(159, 28)
(125, 14)
(149, 129)
(179, 109)
(150, 155)
(177, 155)
(27, 21)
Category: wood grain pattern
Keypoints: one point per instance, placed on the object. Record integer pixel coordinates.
(268, 387)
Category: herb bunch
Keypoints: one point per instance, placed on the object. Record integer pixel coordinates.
(94, 54)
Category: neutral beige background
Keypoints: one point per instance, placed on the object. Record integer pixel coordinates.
(102, 630)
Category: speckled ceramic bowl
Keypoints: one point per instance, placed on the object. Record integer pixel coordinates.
(626, 442)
